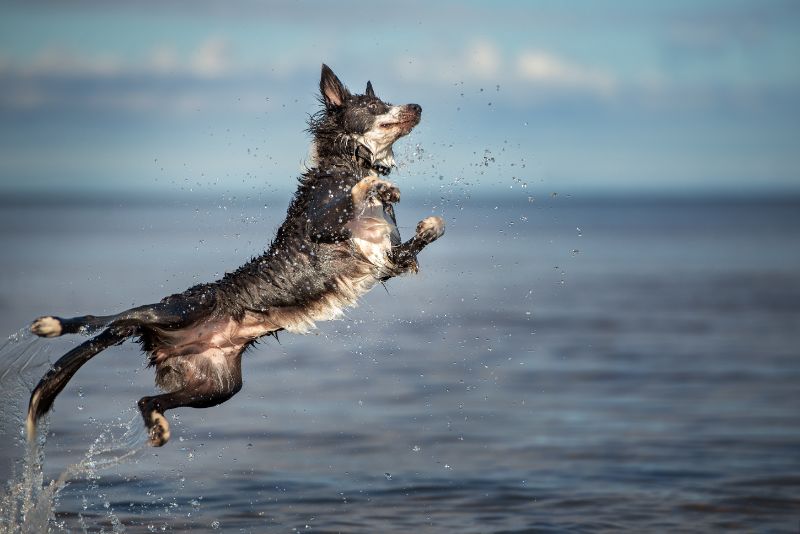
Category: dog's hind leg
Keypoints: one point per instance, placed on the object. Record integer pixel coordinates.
(173, 312)
(428, 230)
(57, 377)
(203, 390)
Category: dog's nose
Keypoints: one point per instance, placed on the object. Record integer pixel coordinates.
(416, 108)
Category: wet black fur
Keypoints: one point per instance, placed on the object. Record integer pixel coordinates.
(295, 269)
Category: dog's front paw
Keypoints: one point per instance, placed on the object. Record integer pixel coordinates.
(430, 229)
(158, 430)
(386, 192)
(371, 187)
(47, 327)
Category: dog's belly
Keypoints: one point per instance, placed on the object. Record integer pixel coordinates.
(206, 351)
(210, 347)
(213, 339)
(219, 340)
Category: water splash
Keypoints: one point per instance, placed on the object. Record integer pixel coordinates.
(24, 358)
(29, 504)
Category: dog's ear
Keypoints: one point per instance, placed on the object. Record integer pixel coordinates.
(333, 92)
(370, 91)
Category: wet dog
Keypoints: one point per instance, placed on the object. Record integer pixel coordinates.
(339, 239)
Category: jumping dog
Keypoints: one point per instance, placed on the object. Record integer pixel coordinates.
(339, 239)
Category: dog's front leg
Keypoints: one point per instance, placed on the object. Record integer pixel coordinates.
(330, 210)
(428, 230)
(373, 189)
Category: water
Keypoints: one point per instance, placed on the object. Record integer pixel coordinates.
(557, 365)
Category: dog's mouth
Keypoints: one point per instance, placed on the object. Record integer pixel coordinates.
(408, 117)
(405, 124)
(397, 123)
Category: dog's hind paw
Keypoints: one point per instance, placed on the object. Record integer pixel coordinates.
(47, 327)
(430, 229)
(158, 430)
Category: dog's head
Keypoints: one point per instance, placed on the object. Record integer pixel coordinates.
(362, 126)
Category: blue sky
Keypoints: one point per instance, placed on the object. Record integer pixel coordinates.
(600, 97)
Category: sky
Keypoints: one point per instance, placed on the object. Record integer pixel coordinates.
(582, 97)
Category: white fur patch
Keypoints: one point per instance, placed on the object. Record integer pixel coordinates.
(46, 327)
(159, 430)
(379, 140)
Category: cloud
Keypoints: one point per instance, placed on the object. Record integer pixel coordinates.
(164, 79)
(540, 67)
(63, 77)
(212, 59)
(483, 61)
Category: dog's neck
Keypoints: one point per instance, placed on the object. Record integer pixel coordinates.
(366, 158)
(361, 156)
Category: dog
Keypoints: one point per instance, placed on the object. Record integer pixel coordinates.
(339, 239)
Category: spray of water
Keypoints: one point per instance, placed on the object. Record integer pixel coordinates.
(28, 504)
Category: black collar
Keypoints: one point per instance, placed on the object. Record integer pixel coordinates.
(365, 155)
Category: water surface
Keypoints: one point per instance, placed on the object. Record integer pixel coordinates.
(556, 365)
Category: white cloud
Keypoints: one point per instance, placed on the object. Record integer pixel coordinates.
(480, 60)
(540, 67)
(483, 61)
(522, 73)
(212, 59)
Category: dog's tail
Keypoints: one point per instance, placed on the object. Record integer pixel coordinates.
(44, 394)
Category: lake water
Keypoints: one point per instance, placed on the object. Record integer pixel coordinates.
(557, 365)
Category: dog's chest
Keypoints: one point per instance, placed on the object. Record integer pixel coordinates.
(372, 232)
